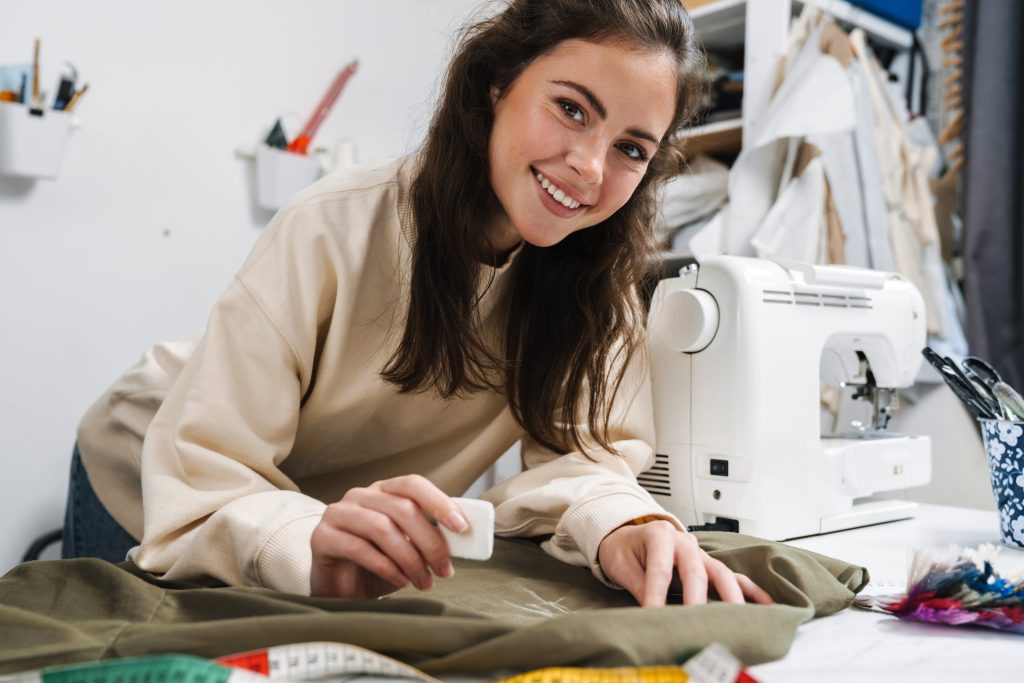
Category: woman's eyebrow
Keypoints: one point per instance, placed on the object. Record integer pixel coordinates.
(599, 107)
(594, 100)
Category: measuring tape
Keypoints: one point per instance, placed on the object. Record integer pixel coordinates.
(321, 661)
(713, 664)
(300, 662)
(337, 662)
(153, 669)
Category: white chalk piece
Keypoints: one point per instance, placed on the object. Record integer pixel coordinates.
(476, 542)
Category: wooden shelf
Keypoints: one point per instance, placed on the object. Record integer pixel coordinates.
(720, 137)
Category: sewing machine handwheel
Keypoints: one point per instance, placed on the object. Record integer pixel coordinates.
(691, 320)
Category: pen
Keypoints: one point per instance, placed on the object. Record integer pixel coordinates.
(74, 98)
(66, 88)
(64, 92)
(300, 145)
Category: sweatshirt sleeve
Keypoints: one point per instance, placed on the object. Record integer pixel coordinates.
(576, 499)
(217, 505)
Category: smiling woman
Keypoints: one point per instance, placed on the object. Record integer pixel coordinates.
(400, 325)
(556, 89)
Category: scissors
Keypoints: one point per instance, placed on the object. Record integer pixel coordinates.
(979, 370)
(983, 375)
(974, 391)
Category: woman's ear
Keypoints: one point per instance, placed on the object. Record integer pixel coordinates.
(495, 95)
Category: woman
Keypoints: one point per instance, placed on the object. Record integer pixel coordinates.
(399, 326)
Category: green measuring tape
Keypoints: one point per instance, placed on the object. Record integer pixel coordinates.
(153, 669)
(297, 662)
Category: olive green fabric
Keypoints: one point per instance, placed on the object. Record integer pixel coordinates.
(520, 610)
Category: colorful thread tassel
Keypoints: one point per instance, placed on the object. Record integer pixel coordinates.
(960, 589)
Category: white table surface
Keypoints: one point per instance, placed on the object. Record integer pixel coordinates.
(862, 646)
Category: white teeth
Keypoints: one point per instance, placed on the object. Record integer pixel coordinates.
(559, 196)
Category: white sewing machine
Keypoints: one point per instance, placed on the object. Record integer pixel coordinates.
(739, 349)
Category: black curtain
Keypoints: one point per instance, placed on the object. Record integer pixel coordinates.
(994, 184)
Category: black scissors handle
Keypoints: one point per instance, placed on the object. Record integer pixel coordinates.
(975, 367)
(983, 387)
(978, 405)
(984, 395)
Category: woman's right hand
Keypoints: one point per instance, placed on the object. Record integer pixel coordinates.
(377, 539)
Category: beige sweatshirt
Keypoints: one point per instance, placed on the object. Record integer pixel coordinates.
(279, 409)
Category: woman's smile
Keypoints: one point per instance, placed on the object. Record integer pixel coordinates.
(557, 198)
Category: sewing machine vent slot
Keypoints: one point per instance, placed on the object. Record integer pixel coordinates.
(801, 297)
(656, 479)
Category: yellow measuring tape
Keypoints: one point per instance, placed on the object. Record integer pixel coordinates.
(713, 664)
(644, 674)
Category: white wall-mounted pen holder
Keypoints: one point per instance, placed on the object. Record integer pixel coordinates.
(281, 174)
(32, 145)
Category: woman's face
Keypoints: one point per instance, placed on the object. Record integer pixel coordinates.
(573, 136)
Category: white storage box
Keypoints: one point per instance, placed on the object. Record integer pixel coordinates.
(31, 145)
(280, 174)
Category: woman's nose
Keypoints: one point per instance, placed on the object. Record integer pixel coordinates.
(587, 159)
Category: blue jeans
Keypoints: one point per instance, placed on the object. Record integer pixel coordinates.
(89, 530)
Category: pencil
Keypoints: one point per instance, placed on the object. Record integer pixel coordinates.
(300, 144)
(74, 98)
(35, 78)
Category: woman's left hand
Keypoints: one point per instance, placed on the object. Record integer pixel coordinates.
(643, 557)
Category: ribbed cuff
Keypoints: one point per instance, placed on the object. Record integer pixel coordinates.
(588, 523)
(285, 561)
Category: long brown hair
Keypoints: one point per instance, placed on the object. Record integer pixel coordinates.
(574, 319)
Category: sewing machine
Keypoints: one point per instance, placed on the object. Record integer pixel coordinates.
(739, 350)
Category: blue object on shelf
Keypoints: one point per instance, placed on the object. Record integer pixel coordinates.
(906, 13)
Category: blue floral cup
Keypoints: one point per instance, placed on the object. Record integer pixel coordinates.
(1004, 443)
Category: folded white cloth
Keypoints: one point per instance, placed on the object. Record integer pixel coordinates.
(698, 191)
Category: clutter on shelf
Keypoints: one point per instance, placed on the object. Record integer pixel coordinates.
(34, 128)
(284, 167)
(835, 171)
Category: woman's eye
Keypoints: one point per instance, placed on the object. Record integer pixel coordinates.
(571, 110)
(633, 151)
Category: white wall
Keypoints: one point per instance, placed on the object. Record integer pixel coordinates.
(153, 211)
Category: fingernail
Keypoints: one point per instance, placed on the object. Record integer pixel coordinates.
(456, 522)
(424, 581)
(403, 581)
(447, 570)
